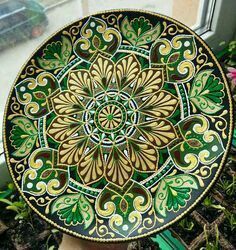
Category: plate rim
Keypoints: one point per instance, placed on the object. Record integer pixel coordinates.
(201, 196)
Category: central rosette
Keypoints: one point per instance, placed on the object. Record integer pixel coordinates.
(111, 118)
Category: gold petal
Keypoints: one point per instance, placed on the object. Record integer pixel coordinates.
(118, 170)
(62, 127)
(143, 156)
(66, 103)
(102, 70)
(91, 165)
(126, 70)
(80, 83)
(160, 105)
(159, 133)
(148, 82)
(70, 151)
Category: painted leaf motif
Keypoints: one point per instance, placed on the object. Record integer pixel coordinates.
(70, 150)
(118, 168)
(56, 54)
(101, 71)
(74, 209)
(124, 206)
(126, 70)
(173, 192)
(207, 92)
(176, 56)
(143, 156)
(148, 82)
(91, 165)
(23, 136)
(158, 132)
(44, 175)
(140, 31)
(100, 40)
(160, 105)
(35, 94)
(62, 127)
(199, 144)
(80, 83)
(66, 103)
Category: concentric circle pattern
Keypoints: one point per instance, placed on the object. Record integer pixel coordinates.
(118, 125)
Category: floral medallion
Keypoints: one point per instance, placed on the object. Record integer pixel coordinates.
(118, 125)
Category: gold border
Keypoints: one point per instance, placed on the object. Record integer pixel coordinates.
(207, 188)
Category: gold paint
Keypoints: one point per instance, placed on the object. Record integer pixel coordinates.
(170, 30)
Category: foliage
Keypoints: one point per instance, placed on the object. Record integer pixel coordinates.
(211, 244)
(15, 203)
(186, 224)
(231, 219)
(228, 186)
(228, 54)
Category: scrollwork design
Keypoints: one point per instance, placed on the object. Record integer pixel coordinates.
(204, 172)
(43, 202)
(19, 168)
(150, 222)
(73, 31)
(202, 60)
(220, 122)
(113, 19)
(15, 108)
(100, 229)
(31, 69)
(171, 29)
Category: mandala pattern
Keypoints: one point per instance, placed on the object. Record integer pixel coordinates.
(118, 125)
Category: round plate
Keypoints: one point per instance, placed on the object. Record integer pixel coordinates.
(118, 125)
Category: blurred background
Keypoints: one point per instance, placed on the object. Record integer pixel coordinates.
(25, 24)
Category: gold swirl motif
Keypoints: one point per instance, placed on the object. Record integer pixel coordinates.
(73, 31)
(43, 202)
(149, 222)
(140, 205)
(219, 122)
(166, 48)
(41, 166)
(202, 60)
(19, 167)
(112, 19)
(117, 224)
(15, 108)
(177, 43)
(204, 172)
(100, 229)
(31, 69)
(171, 29)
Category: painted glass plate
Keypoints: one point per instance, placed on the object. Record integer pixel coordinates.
(118, 125)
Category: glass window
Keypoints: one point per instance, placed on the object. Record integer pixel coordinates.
(25, 24)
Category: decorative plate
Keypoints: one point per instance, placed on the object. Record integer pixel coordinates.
(118, 125)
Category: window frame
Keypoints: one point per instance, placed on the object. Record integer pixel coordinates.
(217, 15)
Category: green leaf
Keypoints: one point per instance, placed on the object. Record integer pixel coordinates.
(207, 92)
(6, 201)
(128, 31)
(13, 208)
(150, 35)
(140, 31)
(23, 136)
(74, 209)
(173, 193)
(56, 55)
